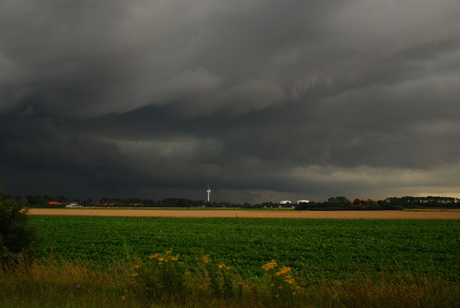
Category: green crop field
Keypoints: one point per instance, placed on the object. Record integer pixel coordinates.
(331, 248)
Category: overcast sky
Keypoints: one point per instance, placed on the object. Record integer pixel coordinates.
(263, 100)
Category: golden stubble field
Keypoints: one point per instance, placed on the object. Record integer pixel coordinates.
(273, 213)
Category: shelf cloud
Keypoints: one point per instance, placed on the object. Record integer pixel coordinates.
(262, 100)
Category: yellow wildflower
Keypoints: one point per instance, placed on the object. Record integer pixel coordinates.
(283, 271)
(205, 259)
(290, 281)
(269, 265)
(221, 266)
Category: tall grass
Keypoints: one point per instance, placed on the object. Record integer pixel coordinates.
(165, 280)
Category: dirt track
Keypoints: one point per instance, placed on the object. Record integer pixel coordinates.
(193, 213)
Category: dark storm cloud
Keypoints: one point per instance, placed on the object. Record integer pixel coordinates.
(261, 99)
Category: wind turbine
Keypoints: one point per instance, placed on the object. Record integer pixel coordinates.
(209, 193)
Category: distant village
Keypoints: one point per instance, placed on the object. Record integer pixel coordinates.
(333, 203)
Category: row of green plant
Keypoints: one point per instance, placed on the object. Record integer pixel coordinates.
(338, 247)
(167, 280)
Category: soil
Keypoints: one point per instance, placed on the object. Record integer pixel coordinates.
(272, 213)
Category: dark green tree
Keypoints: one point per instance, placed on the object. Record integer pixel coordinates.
(49, 198)
(19, 240)
(62, 199)
(34, 199)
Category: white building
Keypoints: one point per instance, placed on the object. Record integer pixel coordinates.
(285, 202)
(71, 204)
(302, 201)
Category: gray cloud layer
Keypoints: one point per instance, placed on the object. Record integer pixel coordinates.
(261, 99)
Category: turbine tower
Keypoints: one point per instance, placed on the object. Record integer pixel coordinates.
(209, 193)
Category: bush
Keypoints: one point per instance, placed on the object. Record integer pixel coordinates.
(18, 239)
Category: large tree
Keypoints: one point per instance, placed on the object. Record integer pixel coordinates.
(18, 239)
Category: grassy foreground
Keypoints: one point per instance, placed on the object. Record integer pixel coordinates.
(164, 280)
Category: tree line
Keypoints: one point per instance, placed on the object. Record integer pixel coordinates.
(333, 203)
(58, 201)
(392, 203)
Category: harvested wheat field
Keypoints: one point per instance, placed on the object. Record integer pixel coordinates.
(214, 213)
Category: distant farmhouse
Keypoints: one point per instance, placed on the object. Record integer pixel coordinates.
(71, 204)
(66, 204)
(284, 202)
(288, 203)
